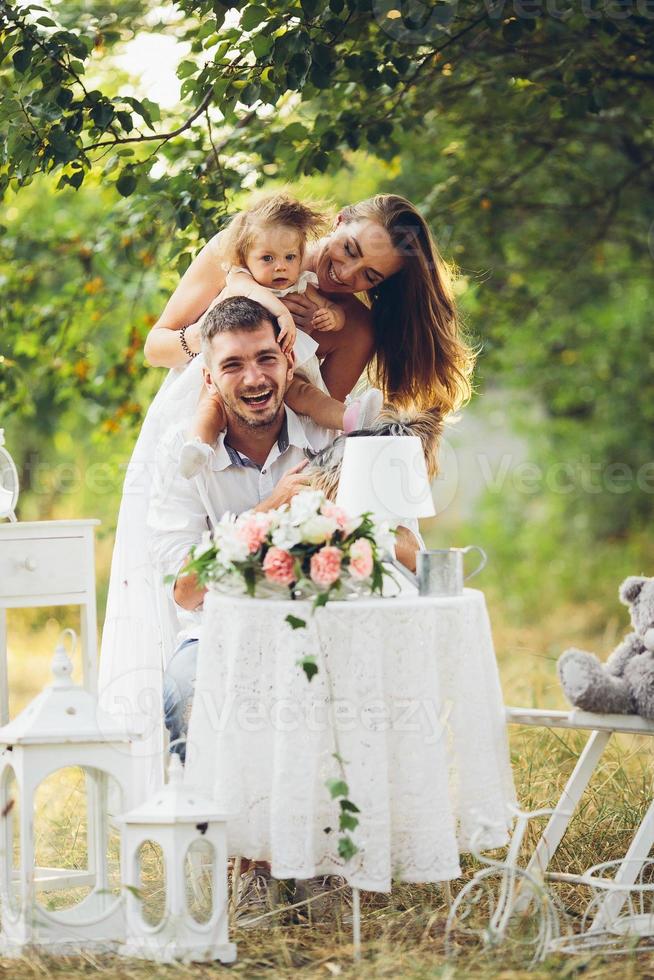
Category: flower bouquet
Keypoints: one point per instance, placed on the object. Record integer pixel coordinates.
(310, 548)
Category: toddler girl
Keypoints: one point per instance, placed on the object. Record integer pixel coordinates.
(265, 245)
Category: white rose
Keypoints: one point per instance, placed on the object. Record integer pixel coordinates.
(230, 546)
(318, 529)
(306, 504)
(206, 544)
(384, 537)
(286, 536)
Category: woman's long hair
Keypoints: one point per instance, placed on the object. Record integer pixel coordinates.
(421, 359)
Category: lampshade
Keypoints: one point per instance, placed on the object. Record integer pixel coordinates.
(386, 475)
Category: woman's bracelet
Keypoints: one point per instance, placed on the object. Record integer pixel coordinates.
(185, 347)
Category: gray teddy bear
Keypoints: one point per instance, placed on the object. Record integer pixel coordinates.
(625, 684)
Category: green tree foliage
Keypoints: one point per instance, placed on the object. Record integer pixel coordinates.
(523, 131)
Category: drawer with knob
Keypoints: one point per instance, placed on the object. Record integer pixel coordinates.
(33, 567)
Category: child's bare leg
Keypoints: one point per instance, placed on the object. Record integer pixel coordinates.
(209, 419)
(305, 399)
(207, 424)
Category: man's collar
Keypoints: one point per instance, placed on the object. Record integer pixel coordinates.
(291, 434)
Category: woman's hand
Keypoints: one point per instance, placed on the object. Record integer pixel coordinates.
(302, 310)
(192, 336)
(330, 318)
(287, 332)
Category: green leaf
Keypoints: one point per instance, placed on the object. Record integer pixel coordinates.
(311, 7)
(308, 665)
(295, 622)
(262, 45)
(337, 787)
(347, 822)
(253, 16)
(347, 848)
(126, 183)
(22, 58)
(152, 109)
(64, 97)
(125, 120)
(186, 68)
(349, 805)
(102, 114)
(75, 179)
(321, 599)
(249, 574)
(294, 131)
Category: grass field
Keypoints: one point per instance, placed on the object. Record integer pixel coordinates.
(403, 934)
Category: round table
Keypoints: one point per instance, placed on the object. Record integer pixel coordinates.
(407, 694)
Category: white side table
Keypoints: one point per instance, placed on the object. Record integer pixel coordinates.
(49, 563)
(52, 563)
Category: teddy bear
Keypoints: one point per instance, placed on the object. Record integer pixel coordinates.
(625, 684)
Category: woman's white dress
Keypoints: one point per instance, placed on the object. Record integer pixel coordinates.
(140, 627)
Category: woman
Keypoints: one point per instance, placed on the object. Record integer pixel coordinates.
(407, 337)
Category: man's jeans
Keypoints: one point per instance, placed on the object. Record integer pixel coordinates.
(178, 690)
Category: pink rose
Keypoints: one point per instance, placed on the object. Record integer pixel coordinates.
(337, 514)
(253, 530)
(278, 566)
(326, 566)
(361, 563)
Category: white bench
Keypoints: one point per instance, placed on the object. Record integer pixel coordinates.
(601, 727)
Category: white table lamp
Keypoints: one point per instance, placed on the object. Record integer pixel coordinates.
(386, 475)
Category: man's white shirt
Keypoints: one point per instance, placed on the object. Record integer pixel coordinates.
(181, 510)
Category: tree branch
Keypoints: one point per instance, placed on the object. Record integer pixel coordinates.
(164, 137)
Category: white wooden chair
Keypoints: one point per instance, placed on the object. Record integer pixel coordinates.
(601, 728)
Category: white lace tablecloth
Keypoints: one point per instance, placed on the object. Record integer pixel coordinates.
(407, 693)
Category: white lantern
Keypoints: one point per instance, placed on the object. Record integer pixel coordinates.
(8, 482)
(60, 729)
(188, 831)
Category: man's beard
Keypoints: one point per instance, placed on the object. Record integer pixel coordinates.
(266, 421)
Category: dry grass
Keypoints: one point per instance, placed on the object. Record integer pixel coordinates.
(403, 933)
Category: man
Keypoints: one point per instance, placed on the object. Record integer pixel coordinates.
(257, 463)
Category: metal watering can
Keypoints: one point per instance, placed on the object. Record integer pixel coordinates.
(440, 572)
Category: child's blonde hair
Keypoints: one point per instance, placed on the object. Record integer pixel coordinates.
(308, 219)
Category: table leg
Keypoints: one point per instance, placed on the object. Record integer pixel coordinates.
(4, 675)
(89, 630)
(236, 883)
(356, 923)
(627, 873)
(564, 810)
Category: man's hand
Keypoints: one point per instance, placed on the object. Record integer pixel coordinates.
(188, 594)
(302, 309)
(290, 484)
